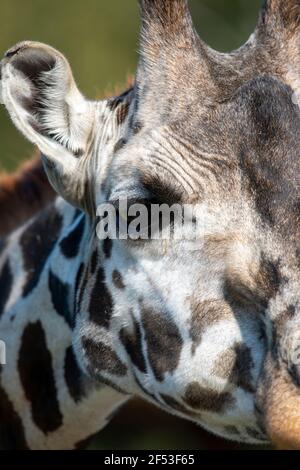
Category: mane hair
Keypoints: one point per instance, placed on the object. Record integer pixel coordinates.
(23, 194)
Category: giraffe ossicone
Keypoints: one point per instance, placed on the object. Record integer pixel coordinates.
(206, 332)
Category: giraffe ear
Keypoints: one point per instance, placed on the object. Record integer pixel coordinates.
(40, 94)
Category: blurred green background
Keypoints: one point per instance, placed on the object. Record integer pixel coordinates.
(100, 38)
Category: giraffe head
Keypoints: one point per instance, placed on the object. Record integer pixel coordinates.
(217, 132)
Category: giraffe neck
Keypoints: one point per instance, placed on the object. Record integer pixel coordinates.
(45, 399)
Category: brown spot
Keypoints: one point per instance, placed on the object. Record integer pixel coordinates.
(132, 342)
(236, 365)
(204, 315)
(101, 303)
(102, 358)
(225, 364)
(118, 280)
(37, 243)
(270, 278)
(164, 342)
(256, 289)
(37, 377)
(242, 370)
(204, 399)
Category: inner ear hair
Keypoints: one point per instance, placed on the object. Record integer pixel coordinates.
(45, 92)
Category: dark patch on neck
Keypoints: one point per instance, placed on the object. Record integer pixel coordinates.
(94, 261)
(37, 243)
(37, 377)
(60, 296)
(6, 282)
(203, 399)
(101, 358)
(77, 285)
(101, 303)
(132, 342)
(268, 150)
(12, 434)
(107, 247)
(164, 342)
(82, 279)
(70, 245)
(73, 376)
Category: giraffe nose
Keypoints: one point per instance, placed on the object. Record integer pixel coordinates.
(280, 407)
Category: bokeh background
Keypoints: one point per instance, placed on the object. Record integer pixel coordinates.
(100, 38)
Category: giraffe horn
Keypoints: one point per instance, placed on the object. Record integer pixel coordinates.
(165, 23)
(282, 15)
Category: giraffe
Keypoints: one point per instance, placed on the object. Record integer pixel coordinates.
(208, 332)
